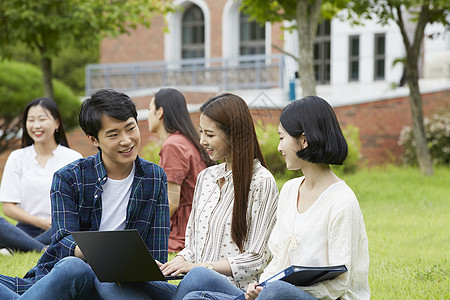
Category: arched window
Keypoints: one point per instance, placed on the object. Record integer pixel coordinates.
(193, 33)
(252, 36)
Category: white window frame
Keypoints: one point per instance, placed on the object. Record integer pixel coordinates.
(231, 32)
(172, 39)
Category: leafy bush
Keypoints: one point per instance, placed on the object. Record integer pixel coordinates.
(19, 84)
(151, 151)
(68, 66)
(268, 141)
(351, 163)
(437, 131)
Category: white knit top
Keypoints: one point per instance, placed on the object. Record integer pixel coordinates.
(332, 232)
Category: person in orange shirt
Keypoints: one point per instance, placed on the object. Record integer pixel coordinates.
(181, 156)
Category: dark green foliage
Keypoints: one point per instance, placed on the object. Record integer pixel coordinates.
(268, 140)
(19, 84)
(352, 162)
(68, 66)
(49, 26)
(437, 132)
(151, 151)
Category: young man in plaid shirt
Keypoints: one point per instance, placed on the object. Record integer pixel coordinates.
(111, 190)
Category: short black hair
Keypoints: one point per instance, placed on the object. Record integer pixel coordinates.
(313, 116)
(104, 102)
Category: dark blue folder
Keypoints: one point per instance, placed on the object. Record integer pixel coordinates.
(304, 276)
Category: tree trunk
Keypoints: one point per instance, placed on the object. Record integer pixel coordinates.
(412, 78)
(307, 20)
(46, 65)
(415, 100)
(306, 69)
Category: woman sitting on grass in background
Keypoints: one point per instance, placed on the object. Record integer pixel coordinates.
(28, 175)
(182, 157)
(319, 221)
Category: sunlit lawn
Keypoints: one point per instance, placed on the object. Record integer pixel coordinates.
(407, 219)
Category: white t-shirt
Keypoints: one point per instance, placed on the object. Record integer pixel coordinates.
(115, 197)
(27, 183)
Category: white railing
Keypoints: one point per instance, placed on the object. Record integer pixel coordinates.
(244, 72)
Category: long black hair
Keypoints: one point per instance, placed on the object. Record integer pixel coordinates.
(232, 115)
(51, 106)
(176, 118)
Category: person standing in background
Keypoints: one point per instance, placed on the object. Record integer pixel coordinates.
(181, 156)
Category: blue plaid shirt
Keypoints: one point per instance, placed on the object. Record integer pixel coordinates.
(76, 206)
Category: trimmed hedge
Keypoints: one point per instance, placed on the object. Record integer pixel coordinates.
(20, 83)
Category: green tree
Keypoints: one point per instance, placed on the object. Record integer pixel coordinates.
(50, 25)
(306, 15)
(69, 66)
(406, 14)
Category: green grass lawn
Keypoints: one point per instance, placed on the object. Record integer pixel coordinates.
(407, 220)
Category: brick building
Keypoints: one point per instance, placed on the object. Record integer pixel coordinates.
(210, 47)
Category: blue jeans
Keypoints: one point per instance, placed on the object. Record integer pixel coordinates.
(283, 290)
(70, 278)
(156, 290)
(43, 236)
(13, 237)
(201, 283)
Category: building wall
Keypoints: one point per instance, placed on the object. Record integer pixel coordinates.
(142, 44)
(152, 44)
(221, 27)
(379, 124)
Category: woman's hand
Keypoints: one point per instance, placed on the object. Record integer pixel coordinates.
(15, 212)
(253, 291)
(78, 253)
(177, 266)
(45, 224)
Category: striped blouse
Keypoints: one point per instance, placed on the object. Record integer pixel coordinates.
(208, 232)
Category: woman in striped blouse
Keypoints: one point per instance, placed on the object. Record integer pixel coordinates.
(234, 202)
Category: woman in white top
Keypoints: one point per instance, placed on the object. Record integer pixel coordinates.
(319, 222)
(234, 204)
(28, 174)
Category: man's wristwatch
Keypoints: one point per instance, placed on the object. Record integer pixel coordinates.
(209, 266)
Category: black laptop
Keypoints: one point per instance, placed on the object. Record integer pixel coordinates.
(119, 256)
